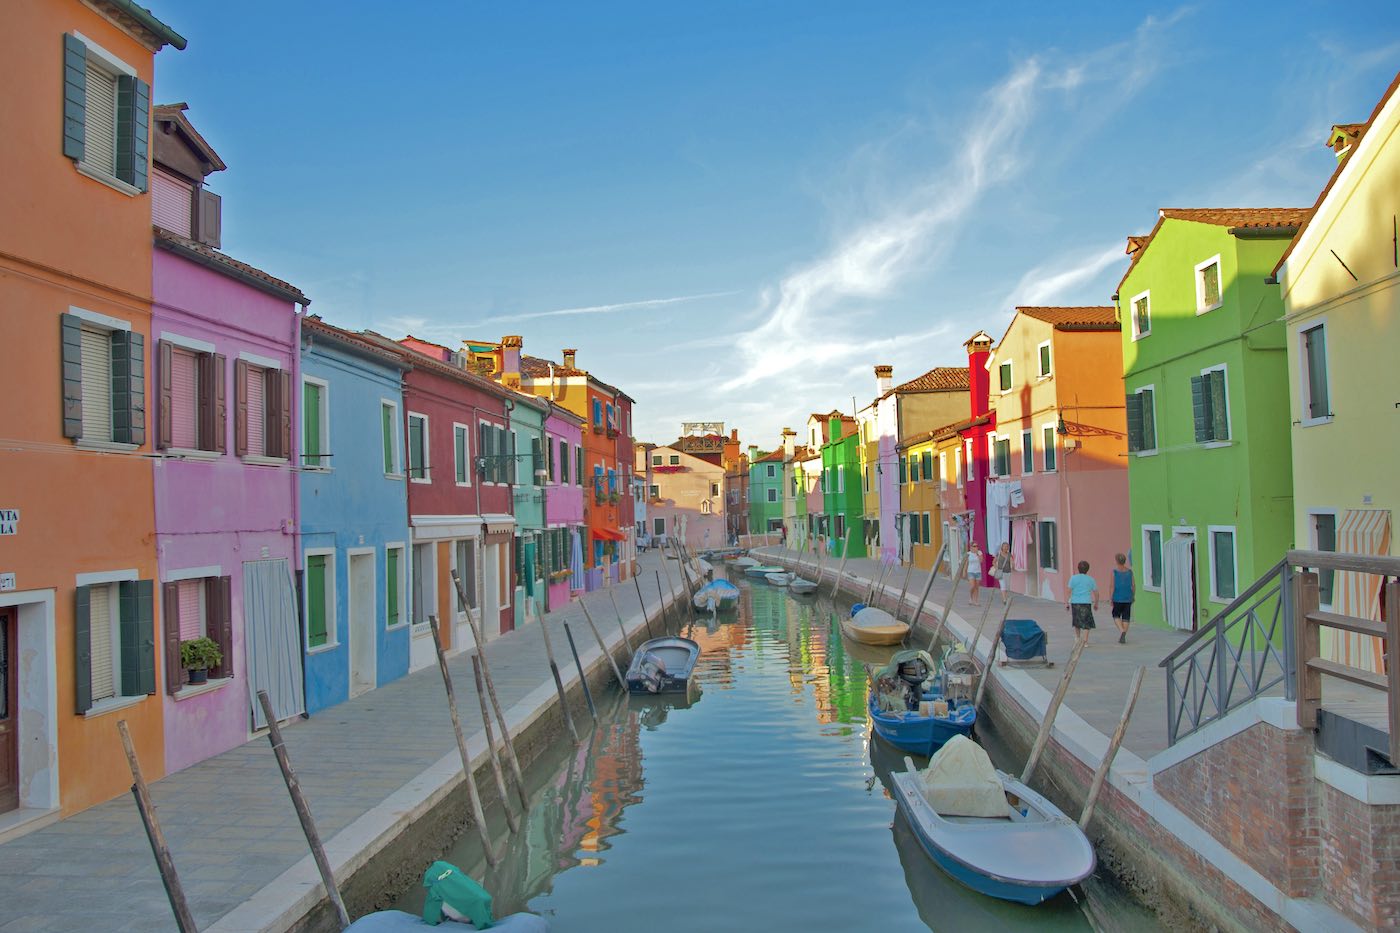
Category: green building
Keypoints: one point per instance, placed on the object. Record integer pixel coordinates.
(1206, 377)
(765, 492)
(842, 495)
(529, 468)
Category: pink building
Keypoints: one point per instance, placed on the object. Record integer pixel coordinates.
(1057, 487)
(563, 505)
(224, 363)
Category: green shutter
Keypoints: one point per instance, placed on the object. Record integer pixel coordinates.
(136, 630)
(927, 465)
(74, 98)
(128, 387)
(391, 587)
(459, 446)
(1200, 405)
(311, 424)
(316, 600)
(133, 130)
(82, 649)
(1149, 419)
(903, 470)
(1134, 402)
(536, 460)
(1219, 414)
(387, 418)
(71, 335)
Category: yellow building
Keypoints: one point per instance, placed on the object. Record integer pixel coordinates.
(920, 520)
(1340, 280)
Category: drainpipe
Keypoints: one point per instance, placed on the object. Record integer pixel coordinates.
(295, 471)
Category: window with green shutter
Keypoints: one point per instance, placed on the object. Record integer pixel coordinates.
(312, 439)
(903, 469)
(1210, 407)
(1049, 546)
(926, 460)
(1222, 552)
(1047, 437)
(460, 453)
(393, 559)
(417, 446)
(317, 628)
(388, 415)
(1044, 351)
(106, 115)
(1004, 376)
(927, 530)
(1027, 452)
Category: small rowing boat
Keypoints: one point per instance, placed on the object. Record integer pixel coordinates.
(780, 578)
(716, 596)
(990, 831)
(762, 570)
(873, 626)
(802, 587)
(662, 665)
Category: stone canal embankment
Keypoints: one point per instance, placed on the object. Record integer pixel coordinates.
(1212, 833)
(381, 772)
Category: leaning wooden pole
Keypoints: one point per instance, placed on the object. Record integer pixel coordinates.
(308, 825)
(583, 678)
(643, 604)
(511, 819)
(1043, 736)
(1114, 741)
(841, 571)
(602, 646)
(670, 586)
(948, 606)
(665, 616)
(174, 892)
(992, 655)
(618, 611)
(507, 742)
(558, 681)
(903, 590)
(478, 813)
(928, 586)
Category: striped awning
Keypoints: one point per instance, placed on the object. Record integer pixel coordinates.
(1365, 532)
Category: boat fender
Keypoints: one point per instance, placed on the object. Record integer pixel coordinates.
(856, 608)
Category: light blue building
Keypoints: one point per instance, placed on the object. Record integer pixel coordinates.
(531, 474)
(354, 516)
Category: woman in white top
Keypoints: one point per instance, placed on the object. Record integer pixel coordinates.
(974, 571)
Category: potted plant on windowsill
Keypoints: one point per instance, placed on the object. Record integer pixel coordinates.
(197, 656)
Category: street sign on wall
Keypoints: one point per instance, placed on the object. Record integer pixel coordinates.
(9, 521)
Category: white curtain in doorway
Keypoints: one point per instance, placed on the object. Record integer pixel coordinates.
(1366, 532)
(272, 634)
(1177, 590)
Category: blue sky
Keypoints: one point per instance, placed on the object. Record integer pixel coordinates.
(734, 211)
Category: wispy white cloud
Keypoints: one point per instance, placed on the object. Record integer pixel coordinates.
(1064, 278)
(601, 309)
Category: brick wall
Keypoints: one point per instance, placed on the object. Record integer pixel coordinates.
(1359, 853)
(1254, 793)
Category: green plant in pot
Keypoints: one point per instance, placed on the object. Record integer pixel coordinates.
(198, 655)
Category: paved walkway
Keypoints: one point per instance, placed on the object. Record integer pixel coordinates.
(1101, 680)
(228, 820)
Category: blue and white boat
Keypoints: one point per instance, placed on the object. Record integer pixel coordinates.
(909, 710)
(993, 833)
(716, 596)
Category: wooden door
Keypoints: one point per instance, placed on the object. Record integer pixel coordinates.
(9, 710)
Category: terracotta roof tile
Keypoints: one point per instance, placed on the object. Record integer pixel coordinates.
(532, 367)
(774, 455)
(1280, 218)
(207, 255)
(315, 324)
(1096, 317)
(938, 379)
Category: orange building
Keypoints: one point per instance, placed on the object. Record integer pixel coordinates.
(78, 609)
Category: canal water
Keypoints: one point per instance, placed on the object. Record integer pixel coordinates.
(760, 805)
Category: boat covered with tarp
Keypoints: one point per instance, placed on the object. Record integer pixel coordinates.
(872, 625)
(988, 830)
(908, 708)
(716, 596)
(453, 896)
(662, 665)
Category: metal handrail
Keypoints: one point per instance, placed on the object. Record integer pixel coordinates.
(1208, 630)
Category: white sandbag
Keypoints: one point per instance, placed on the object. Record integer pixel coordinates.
(960, 781)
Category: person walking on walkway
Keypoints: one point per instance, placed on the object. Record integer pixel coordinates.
(1083, 602)
(974, 572)
(1001, 569)
(1124, 591)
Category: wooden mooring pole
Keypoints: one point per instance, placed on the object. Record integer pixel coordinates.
(506, 740)
(928, 587)
(511, 819)
(948, 606)
(841, 571)
(558, 681)
(602, 646)
(184, 919)
(478, 813)
(1114, 741)
(1043, 736)
(618, 610)
(583, 678)
(903, 590)
(665, 618)
(308, 825)
(992, 655)
(643, 604)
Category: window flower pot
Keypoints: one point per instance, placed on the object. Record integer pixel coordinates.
(198, 677)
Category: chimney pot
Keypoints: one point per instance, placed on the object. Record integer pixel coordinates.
(570, 356)
(884, 376)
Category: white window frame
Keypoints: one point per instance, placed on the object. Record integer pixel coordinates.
(1040, 552)
(969, 467)
(99, 321)
(323, 462)
(772, 494)
(840, 478)
(1132, 315)
(958, 465)
(1201, 267)
(108, 62)
(1027, 451)
(997, 439)
(1145, 577)
(466, 431)
(1312, 540)
(404, 578)
(427, 476)
(942, 469)
(453, 564)
(771, 472)
(1044, 345)
(1054, 448)
(1010, 377)
(1229, 422)
(429, 576)
(506, 570)
(514, 472)
(1305, 376)
(1234, 559)
(332, 630)
(396, 441)
(1153, 450)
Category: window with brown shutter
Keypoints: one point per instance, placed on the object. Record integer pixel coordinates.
(190, 414)
(194, 608)
(262, 411)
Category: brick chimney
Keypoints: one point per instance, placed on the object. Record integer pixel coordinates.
(884, 376)
(570, 356)
(510, 360)
(979, 351)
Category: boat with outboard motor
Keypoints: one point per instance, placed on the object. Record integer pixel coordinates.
(716, 596)
(910, 709)
(662, 665)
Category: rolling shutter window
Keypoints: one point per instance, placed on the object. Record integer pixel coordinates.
(256, 427)
(191, 596)
(100, 607)
(97, 385)
(100, 122)
(184, 399)
(170, 203)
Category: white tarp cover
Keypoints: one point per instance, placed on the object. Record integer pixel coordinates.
(272, 637)
(960, 781)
